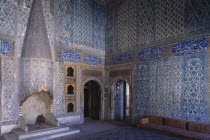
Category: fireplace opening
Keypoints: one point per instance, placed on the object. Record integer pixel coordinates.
(40, 121)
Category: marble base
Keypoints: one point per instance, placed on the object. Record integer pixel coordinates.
(70, 120)
(7, 128)
(42, 134)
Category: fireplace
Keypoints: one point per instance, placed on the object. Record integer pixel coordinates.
(40, 121)
(37, 106)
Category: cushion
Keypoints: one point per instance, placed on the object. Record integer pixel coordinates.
(144, 121)
(176, 123)
(155, 119)
(175, 131)
(199, 127)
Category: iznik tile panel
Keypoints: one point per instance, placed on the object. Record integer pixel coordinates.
(83, 21)
(194, 88)
(142, 87)
(98, 37)
(191, 46)
(122, 59)
(69, 56)
(92, 60)
(174, 87)
(150, 53)
(6, 46)
(146, 10)
(197, 15)
(7, 16)
(127, 23)
(64, 23)
(169, 18)
(111, 28)
(80, 23)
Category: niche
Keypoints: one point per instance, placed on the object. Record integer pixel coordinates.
(70, 71)
(70, 89)
(70, 107)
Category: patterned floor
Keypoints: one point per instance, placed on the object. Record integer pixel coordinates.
(130, 133)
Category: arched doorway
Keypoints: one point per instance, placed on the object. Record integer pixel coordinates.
(92, 100)
(121, 100)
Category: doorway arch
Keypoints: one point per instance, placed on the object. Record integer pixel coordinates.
(100, 97)
(120, 99)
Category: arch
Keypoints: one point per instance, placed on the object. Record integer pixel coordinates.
(111, 86)
(37, 92)
(101, 111)
(115, 80)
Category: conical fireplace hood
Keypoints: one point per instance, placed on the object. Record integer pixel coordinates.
(36, 42)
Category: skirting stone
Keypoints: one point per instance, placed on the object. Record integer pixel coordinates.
(7, 128)
(70, 120)
(44, 134)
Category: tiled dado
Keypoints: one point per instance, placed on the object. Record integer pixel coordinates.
(70, 88)
(172, 87)
(176, 49)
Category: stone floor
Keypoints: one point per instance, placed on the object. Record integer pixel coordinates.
(112, 130)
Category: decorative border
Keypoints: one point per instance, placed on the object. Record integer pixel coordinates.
(190, 46)
(151, 53)
(70, 56)
(92, 60)
(85, 58)
(168, 50)
(7, 46)
(122, 58)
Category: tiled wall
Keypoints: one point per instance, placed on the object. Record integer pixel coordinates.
(172, 87)
(80, 23)
(173, 81)
(169, 53)
(133, 25)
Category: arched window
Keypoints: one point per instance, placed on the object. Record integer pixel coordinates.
(70, 107)
(70, 89)
(70, 71)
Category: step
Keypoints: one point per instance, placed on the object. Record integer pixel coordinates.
(9, 136)
(56, 135)
(42, 132)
